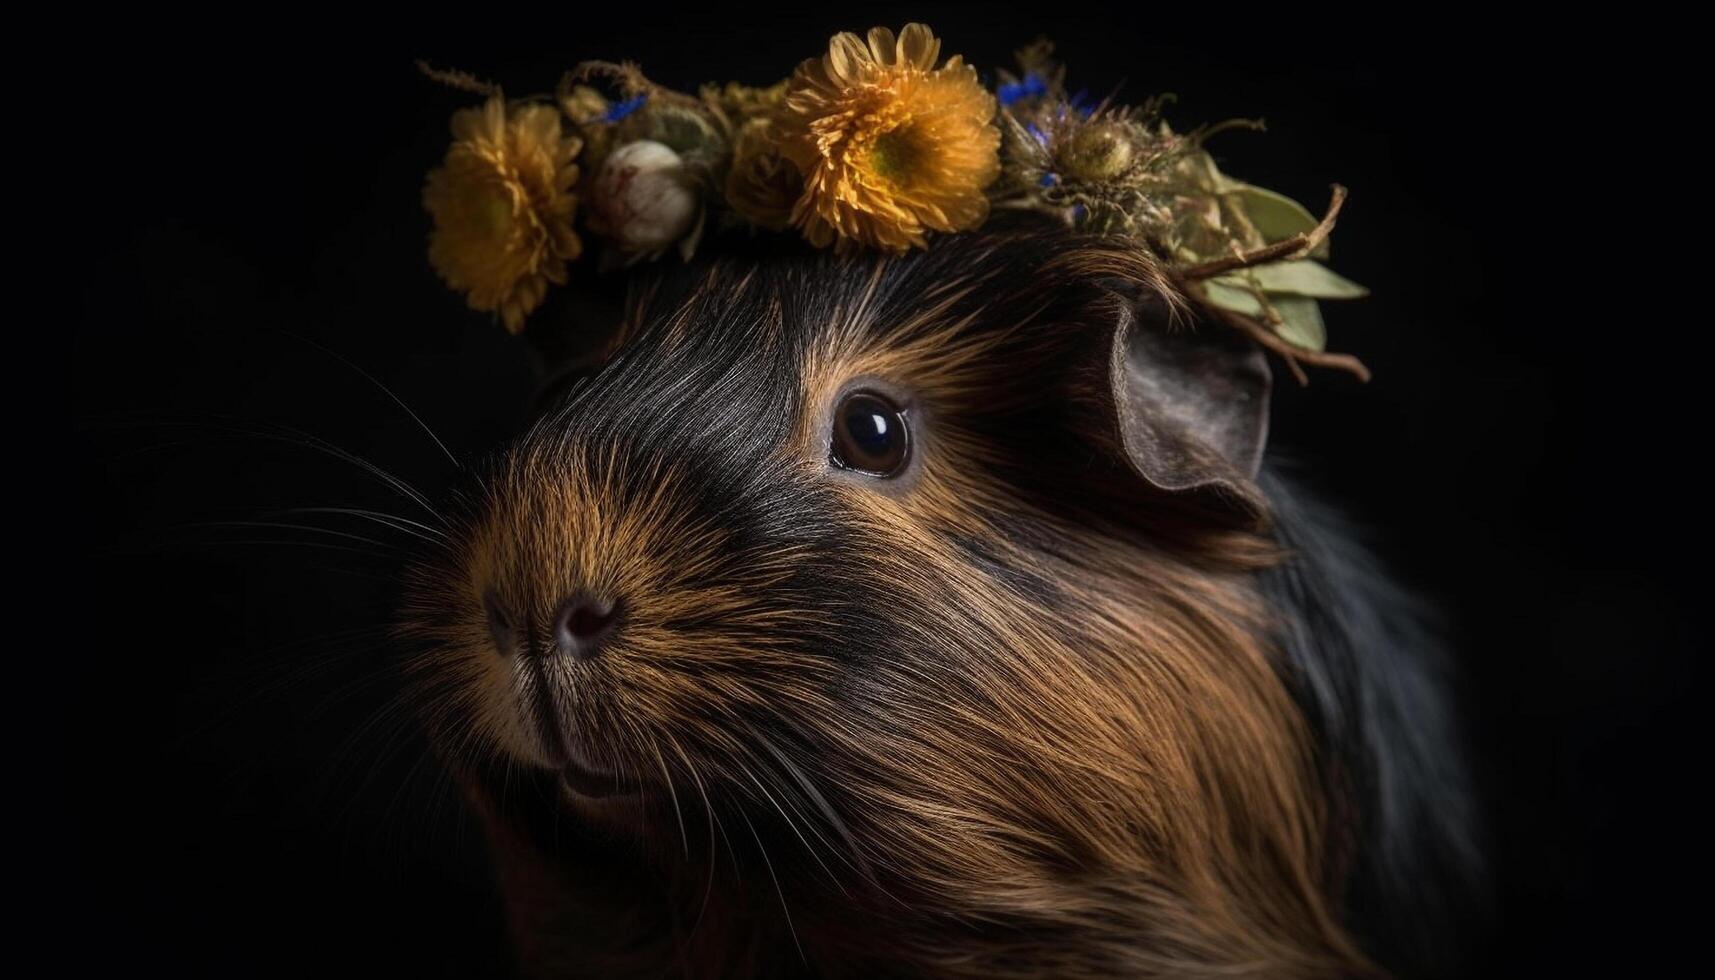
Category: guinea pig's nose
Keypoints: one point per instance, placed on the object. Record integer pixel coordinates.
(584, 624)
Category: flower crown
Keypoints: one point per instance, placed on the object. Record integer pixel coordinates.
(872, 146)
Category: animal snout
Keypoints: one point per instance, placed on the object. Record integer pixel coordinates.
(582, 626)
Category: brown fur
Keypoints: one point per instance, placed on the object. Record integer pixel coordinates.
(1099, 772)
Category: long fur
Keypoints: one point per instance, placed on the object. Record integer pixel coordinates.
(1369, 669)
(1012, 714)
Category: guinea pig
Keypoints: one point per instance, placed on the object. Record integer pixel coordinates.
(932, 615)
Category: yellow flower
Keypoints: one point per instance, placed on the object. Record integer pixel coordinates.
(502, 208)
(762, 185)
(889, 145)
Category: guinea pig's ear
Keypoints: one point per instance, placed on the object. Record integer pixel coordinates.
(1191, 402)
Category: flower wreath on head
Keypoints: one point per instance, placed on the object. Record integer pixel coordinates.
(873, 146)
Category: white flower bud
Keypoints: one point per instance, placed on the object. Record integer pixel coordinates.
(643, 200)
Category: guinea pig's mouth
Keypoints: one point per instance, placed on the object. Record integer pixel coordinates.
(581, 775)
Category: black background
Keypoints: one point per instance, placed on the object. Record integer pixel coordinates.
(242, 796)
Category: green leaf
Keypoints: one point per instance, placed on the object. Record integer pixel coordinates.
(1224, 293)
(1300, 318)
(1275, 215)
(1300, 322)
(1302, 277)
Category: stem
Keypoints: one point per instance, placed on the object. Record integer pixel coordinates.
(1292, 355)
(1287, 249)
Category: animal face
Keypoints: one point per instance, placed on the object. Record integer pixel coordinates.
(851, 555)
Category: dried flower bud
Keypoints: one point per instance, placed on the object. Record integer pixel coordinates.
(762, 185)
(744, 102)
(643, 200)
(583, 104)
(1099, 152)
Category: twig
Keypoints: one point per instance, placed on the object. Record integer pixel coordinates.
(1201, 134)
(631, 80)
(1289, 353)
(461, 80)
(1287, 249)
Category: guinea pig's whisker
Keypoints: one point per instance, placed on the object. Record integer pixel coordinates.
(807, 788)
(282, 526)
(395, 744)
(278, 675)
(710, 819)
(442, 800)
(297, 543)
(288, 435)
(388, 734)
(384, 390)
(667, 777)
(763, 850)
(378, 740)
(400, 703)
(416, 529)
(792, 825)
(709, 882)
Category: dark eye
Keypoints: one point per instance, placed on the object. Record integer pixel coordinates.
(870, 435)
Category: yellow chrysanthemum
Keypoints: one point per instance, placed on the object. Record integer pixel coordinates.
(889, 145)
(502, 208)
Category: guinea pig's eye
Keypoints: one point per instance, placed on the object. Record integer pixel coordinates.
(870, 435)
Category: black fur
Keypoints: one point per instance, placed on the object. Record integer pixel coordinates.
(1365, 662)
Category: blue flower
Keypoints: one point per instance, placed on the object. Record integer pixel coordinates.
(1032, 86)
(1078, 106)
(1078, 212)
(1049, 180)
(1041, 137)
(624, 107)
